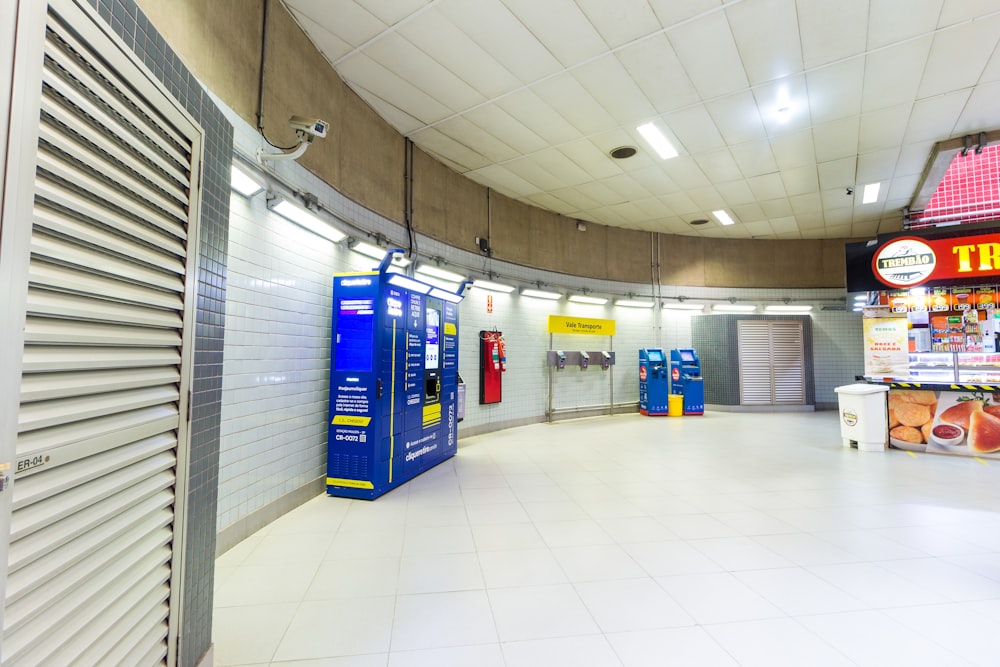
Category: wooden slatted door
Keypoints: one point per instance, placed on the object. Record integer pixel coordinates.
(102, 420)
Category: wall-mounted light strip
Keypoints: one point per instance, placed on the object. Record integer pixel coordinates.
(436, 272)
(451, 297)
(408, 283)
(683, 306)
(788, 309)
(541, 294)
(244, 183)
(870, 195)
(734, 308)
(493, 287)
(592, 300)
(305, 219)
(631, 303)
(375, 252)
(723, 218)
(657, 141)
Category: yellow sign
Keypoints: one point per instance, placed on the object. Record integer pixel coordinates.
(349, 483)
(581, 325)
(450, 329)
(350, 420)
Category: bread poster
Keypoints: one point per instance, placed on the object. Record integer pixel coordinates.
(947, 422)
(886, 347)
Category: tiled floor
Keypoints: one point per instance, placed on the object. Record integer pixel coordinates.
(729, 539)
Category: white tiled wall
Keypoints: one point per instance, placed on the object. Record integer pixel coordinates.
(276, 365)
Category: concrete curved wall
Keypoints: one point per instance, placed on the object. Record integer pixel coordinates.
(363, 158)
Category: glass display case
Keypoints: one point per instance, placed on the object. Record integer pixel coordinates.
(960, 367)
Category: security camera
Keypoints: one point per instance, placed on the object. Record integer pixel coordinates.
(309, 127)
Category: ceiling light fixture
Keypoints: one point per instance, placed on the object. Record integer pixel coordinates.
(435, 272)
(244, 183)
(870, 195)
(541, 294)
(683, 306)
(657, 141)
(734, 308)
(632, 303)
(305, 219)
(592, 300)
(492, 287)
(788, 309)
(723, 218)
(400, 280)
(375, 252)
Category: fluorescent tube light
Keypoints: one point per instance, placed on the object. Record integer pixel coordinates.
(734, 308)
(788, 309)
(431, 270)
(244, 183)
(541, 294)
(305, 219)
(871, 193)
(492, 287)
(723, 218)
(400, 280)
(629, 303)
(373, 251)
(656, 139)
(593, 300)
(443, 294)
(684, 305)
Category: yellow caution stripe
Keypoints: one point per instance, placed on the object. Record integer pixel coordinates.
(349, 483)
(911, 453)
(351, 420)
(981, 461)
(976, 387)
(432, 415)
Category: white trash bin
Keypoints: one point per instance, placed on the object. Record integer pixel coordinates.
(864, 417)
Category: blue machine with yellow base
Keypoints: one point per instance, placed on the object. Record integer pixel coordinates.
(393, 381)
(685, 375)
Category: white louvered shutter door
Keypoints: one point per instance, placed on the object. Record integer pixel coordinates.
(754, 341)
(103, 398)
(788, 363)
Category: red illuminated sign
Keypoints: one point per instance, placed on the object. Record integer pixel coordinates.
(910, 261)
(675, 374)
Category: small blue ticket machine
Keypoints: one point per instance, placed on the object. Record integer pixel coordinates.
(393, 381)
(654, 382)
(685, 375)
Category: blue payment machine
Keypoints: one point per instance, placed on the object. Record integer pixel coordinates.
(654, 382)
(393, 381)
(685, 374)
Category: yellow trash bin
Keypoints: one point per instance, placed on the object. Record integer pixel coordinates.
(675, 405)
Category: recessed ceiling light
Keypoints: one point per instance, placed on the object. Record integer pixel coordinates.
(723, 218)
(623, 152)
(871, 193)
(657, 140)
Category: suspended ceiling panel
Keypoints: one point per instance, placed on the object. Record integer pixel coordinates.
(776, 107)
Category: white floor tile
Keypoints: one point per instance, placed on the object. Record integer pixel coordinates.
(439, 573)
(540, 612)
(876, 584)
(265, 584)
(674, 557)
(581, 532)
(490, 514)
(677, 646)
(331, 628)
(371, 660)
(625, 530)
(600, 562)
(525, 567)
(354, 578)
(245, 635)
(438, 540)
(805, 549)
(438, 620)
(697, 526)
(797, 591)
(718, 598)
(739, 553)
(777, 642)
(947, 579)
(587, 651)
(959, 628)
(506, 537)
(374, 544)
(555, 511)
(484, 655)
(632, 604)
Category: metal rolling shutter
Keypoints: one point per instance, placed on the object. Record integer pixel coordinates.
(772, 362)
(104, 391)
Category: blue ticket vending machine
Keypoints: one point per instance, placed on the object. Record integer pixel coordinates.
(654, 382)
(393, 381)
(685, 373)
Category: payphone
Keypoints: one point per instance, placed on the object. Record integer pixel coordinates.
(393, 381)
(654, 382)
(685, 375)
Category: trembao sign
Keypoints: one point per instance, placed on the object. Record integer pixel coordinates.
(909, 261)
(581, 325)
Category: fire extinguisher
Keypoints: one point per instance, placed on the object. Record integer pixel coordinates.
(494, 352)
(502, 351)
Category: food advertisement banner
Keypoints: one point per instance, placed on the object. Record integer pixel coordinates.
(886, 347)
(945, 422)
